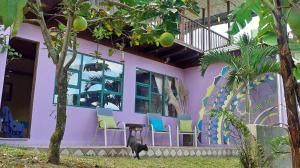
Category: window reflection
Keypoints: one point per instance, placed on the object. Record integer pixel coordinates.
(77, 62)
(73, 78)
(90, 94)
(112, 85)
(94, 82)
(141, 106)
(112, 101)
(113, 69)
(92, 68)
(142, 91)
(142, 76)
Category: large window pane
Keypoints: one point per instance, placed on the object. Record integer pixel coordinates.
(92, 68)
(112, 85)
(157, 83)
(77, 62)
(72, 96)
(94, 82)
(156, 104)
(90, 94)
(73, 78)
(141, 106)
(142, 76)
(142, 91)
(113, 69)
(112, 101)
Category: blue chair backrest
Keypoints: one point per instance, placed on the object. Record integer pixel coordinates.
(154, 115)
(104, 111)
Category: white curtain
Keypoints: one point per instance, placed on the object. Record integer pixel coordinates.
(159, 82)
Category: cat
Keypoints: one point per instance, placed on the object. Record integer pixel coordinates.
(136, 147)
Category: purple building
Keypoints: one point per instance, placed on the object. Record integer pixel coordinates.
(132, 83)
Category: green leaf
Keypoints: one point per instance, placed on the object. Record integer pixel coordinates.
(296, 73)
(111, 51)
(270, 38)
(293, 21)
(19, 17)
(8, 9)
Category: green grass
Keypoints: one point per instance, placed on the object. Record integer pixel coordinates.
(19, 157)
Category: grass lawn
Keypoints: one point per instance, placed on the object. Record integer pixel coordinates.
(22, 158)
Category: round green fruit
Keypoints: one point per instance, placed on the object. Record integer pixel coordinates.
(79, 24)
(166, 39)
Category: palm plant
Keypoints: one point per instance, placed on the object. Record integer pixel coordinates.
(253, 62)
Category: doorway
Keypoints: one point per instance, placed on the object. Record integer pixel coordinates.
(17, 95)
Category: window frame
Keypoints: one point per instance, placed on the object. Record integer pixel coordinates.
(103, 91)
(150, 93)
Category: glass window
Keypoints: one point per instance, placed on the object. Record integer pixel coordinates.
(156, 104)
(92, 68)
(112, 85)
(77, 62)
(112, 101)
(161, 98)
(142, 76)
(113, 69)
(142, 91)
(90, 95)
(94, 82)
(72, 96)
(73, 78)
(141, 106)
(157, 83)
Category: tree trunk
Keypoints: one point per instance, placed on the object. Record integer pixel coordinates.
(54, 155)
(289, 84)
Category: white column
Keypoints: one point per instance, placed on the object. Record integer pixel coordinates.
(3, 57)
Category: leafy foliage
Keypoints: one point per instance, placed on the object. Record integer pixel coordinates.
(254, 60)
(267, 30)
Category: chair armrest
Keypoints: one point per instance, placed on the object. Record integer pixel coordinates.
(151, 127)
(122, 124)
(169, 128)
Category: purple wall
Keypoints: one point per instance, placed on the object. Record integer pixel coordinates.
(2, 63)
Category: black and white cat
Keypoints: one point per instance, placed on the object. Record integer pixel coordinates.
(135, 146)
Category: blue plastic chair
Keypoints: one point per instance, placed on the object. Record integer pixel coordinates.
(10, 127)
(156, 126)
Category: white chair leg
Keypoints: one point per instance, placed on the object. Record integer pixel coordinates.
(170, 135)
(105, 135)
(125, 141)
(152, 135)
(177, 136)
(94, 139)
(195, 137)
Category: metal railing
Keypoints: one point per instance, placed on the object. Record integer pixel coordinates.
(198, 36)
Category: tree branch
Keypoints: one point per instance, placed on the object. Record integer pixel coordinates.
(74, 52)
(33, 21)
(63, 53)
(46, 34)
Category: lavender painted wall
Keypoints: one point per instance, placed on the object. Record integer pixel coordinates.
(2, 63)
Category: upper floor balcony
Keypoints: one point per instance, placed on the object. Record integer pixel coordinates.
(195, 38)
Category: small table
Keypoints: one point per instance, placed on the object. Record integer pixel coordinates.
(136, 128)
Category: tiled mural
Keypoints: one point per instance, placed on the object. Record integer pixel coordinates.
(264, 106)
